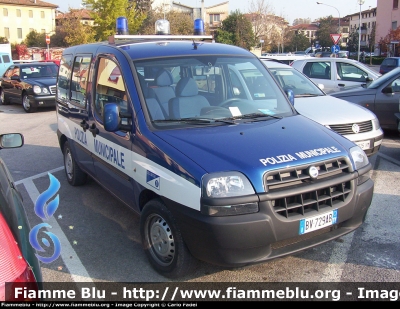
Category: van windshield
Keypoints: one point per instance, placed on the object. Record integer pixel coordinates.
(209, 88)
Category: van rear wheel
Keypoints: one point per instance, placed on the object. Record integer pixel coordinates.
(75, 175)
(163, 243)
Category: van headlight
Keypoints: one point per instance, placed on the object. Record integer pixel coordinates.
(359, 157)
(376, 123)
(228, 194)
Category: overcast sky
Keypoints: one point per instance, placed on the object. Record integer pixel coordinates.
(288, 9)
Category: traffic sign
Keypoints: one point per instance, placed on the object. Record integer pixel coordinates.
(335, 38)
(47, 39)
(335, 49)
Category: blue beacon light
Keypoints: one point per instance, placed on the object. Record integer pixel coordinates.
(122, 26)
(198, 27)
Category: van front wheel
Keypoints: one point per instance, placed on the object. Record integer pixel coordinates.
(163, 243)
(75, 175)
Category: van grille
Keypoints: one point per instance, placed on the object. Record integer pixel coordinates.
(309, 202)
(52, 89)
(345, 129)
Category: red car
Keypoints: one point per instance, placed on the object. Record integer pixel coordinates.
(18, 262)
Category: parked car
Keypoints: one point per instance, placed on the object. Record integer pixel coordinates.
(353, 122)
(389, 64)
(18, 263)
(381, 96)
(31, 84)
(335, 73)
(397, 115)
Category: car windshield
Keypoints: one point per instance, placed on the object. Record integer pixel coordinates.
(292, 79)
(209, 90)
(383, 79)
(38, 71)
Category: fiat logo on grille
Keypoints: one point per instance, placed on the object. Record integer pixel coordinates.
(355, 128)
(313, 172)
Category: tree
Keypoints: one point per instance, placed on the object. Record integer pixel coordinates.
(393, 35)
(300, 21)
(323, 34)
(352, 42)
(3, 40)
(237, 29)
(106, 12)
(72, 31)
(298, 41)
(258, 15)
(35, 39)
(179, 23)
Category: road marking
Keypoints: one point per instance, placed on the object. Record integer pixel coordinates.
(75, 267)
(333, 272)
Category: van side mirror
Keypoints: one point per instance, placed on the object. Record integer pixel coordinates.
(112, 118)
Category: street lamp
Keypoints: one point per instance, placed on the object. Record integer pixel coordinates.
(335, 9)
(360, 2)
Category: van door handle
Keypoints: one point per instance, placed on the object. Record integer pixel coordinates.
(94, 129)
(84, 125)
(341, 85)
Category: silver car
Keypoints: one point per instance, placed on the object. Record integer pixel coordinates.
(335, 74)
(354, 122)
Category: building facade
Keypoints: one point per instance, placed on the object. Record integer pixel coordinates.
(388, 18)
(19, 17)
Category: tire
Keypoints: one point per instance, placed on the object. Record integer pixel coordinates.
(2, 98)
(28, 107)
(75, 176)
(163, 243)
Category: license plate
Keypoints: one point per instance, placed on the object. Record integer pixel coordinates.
(364, 144)
(318, 222)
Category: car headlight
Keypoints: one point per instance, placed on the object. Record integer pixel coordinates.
(376, 123)
(228, 194)
(37, 89)
(359, 157)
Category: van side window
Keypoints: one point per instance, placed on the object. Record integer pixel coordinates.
(63, 78)
(80, 73)
(110, 87)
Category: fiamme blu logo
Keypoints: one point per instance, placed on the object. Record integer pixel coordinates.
(45, 207)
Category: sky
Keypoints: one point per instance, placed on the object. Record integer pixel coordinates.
(288, 9)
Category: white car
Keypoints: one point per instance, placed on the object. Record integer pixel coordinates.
(335, 74)
(354, 122)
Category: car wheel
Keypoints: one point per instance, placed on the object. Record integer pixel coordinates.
(163, 243)
(28, 107)
(2, 98)
(75, 175)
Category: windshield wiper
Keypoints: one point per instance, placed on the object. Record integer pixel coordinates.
(196, 120)
(307, 95)
(255, 116)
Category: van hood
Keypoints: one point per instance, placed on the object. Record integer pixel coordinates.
(328, 110)
(255, 147)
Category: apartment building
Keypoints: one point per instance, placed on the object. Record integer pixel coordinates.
(19, 17)
(388, 18)
(367, 22)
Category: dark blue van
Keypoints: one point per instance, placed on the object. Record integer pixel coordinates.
(199, 139)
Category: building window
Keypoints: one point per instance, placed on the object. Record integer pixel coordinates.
(42, 14)
(30, 14)
(7, 32)
(214, 18)
(19, 33)
(18, 13)
(30, 29)
(394, 25)
(5, 12)
(395, 4)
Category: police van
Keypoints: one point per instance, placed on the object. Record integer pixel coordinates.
(201, 142)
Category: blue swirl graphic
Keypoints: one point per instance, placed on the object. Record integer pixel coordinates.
(33, 234)
(40, 205)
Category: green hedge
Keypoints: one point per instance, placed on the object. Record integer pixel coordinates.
(375, 60)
